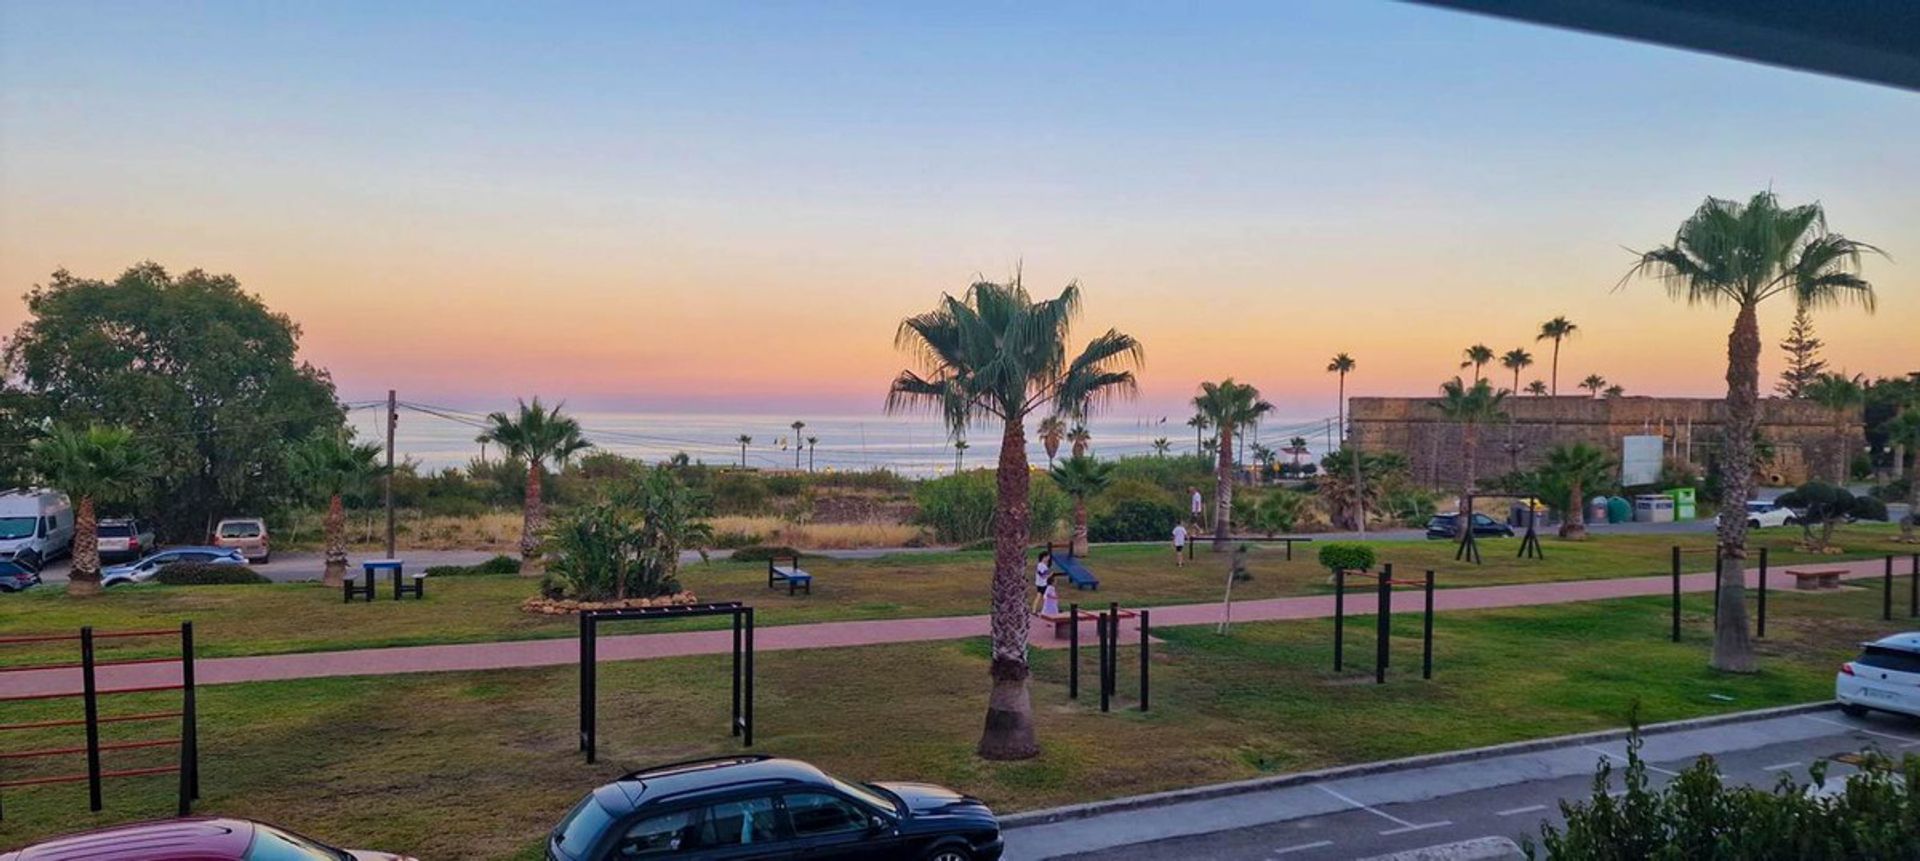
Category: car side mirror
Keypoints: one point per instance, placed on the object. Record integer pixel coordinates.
(876, 824)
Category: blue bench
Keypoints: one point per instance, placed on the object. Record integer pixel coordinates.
(1075, 569)
(789, 574)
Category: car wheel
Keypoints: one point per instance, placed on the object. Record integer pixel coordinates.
(1851, 710)
(949, 853)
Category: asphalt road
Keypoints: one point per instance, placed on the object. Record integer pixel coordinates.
(1497, 799)
(296, 567)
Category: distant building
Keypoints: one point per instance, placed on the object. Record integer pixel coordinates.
(1801, 435)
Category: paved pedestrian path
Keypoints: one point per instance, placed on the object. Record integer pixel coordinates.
(825, 635)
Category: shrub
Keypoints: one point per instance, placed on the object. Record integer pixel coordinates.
(761, 552)
(1341, 556)
(785, 485)
(1827, 506)
(959, 508)
(203, 574)
(501, 564)
(738, 493)
(1277, 513)
(1135, 520)
(1410, 506)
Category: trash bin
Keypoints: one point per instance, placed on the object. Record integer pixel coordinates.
(1619, 510)
(1597, 510)
(1685, 505)
(1653, 508)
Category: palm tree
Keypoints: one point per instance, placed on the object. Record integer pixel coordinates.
(1341, 364)
(1516, 360)
(482, 440)
(1841, 394)
(1080, 439)
(329, 466)
(811, 442)
(1478, 356)
(797, 427)
(1537, 388)
(1743, 254)
(744, 441)
(1297, 448)
(1614, 391)
(1594, 383)
(1903, 433)
(959, 454)
(1199, 424)
(1228, 406)
(1569, 472)
(1263, 458)
(1557, 329)
(1470, 406)
(536, 435)
(996, 355)
(1052, 430)
(1161, 446)
(101, 464)
(1081, 477)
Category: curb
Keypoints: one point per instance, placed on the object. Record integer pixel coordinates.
(1259, 784)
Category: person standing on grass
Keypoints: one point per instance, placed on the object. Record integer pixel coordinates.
(1179, 545)
(1196, 504)
(1042, 580)
(1050, 600)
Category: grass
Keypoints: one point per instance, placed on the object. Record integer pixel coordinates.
(269, 619)
(478, 765)
(741, 530)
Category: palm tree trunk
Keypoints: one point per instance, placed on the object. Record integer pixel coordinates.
(1840, 448)
(1732, 651)
(1553, 390)
(1468, 443)
(1573, 527)
(84, 579)
(336, 544)
(1079, 544)
(1223, 490)
(1913, 497)
(532, 517)
(1009, 728)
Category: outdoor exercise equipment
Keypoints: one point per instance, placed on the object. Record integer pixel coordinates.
(188, 742)
(1530, 544)
(1107, 628)
(1383, 620)
(1469, 549)
(590, 622)
(1075, 569)
(1719, 566)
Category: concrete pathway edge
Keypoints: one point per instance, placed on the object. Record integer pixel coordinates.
(1279, 781)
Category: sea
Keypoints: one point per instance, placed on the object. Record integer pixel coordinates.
(434, 437)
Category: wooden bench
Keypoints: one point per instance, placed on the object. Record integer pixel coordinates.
(791, 574)
(1063, 622)
(1811, 580)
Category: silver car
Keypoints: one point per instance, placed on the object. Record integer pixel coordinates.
(143, 570)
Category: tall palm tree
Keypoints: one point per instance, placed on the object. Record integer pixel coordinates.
(959, 455)
(102, 464)
(1296, 449)
(1841, 394)
(1199, 423)
(1080, 439)
(1570, 471)
(1742, 254)
(482, 440)
(1516, 360)
(330, 465)
(1263, 456)
(811, 442)
(1594, 383)
(1080, 477)
(536, 435)
(1228, 406)
(1478, 356)
(1052, 430)
(1342, 364)
(1537, 388)
(1470, 406)
(1161, 446)
(1557, 329)
(995, 355)
(744, 441)
(798, 426)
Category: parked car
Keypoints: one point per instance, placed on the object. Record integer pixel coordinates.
(18, 573)
(245, 534)
(765, 807)
(192, 839)
(124, 538)
(35, 523)
(1886, 677)
(1446, 525)
(1763, 513)
(144, 569)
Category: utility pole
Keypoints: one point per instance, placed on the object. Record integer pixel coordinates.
(393, 419)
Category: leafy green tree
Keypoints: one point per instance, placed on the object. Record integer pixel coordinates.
(1563, 481)
(1903, 433)
(1824, 507)
(535, 435)
(1803, 357)
(1343, 365)
(1478, 356)
(1348, 496)
(330, 465)
(1228, 406)
(101, 464)
(1556, 330)
(1842, 395)
(1469, 406)
(1742, 254)
(995, 355)
(1516, 360)
(198, 369)
(1081, 478)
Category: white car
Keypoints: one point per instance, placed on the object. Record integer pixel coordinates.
(1886, 677)
(1761, 514)
(143, 570)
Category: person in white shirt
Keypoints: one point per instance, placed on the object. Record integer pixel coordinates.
(1198, 505)
(1042, 579)
(1179, 544)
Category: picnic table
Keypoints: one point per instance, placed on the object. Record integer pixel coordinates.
(790, 574)
(403, 585)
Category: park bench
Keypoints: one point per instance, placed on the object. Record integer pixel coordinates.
(1828, 578)
(1063, 622)
(789, 574)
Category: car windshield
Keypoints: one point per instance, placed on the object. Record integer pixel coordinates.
(1897, 660)
(12, 528)
(116, 530)
(240, 530)
(272, 844)
(583, 826)
(871, 795)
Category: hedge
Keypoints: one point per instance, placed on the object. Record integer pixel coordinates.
(762, 553)
(204, 574)
(501, 564)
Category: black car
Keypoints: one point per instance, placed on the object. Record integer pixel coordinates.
(1448, 526)
(764, 807)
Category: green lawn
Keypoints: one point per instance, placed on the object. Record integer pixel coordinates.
(478, 765)
(247, 620)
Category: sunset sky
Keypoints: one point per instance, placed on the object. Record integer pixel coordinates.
(707, 206)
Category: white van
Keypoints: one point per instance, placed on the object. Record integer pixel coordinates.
(35, 523)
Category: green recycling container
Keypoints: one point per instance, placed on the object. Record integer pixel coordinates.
(1684, 503)
(1619, 510)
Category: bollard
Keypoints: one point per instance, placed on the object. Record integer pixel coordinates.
(92, 706)
(1339, 616)
(1143, 660)
(1383, 625)
(1676, 593)
(1886, 592)
(1073, 652)
(1762, 628)
(1913, 596)
(1426, 634)
(1101, 626)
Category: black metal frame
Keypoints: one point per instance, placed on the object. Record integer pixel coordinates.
(1530, 544)
(1107, 628)
(742, 723)
(348, 591)
(1383, 622)
(1469, 549)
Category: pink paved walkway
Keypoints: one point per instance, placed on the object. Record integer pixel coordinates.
(557, 652)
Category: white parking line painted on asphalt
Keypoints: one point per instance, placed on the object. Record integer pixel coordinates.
(1519, 810)
(1909, 742)
(1303, 847)
(1781, 767)
(1621, 759)
(1387, 816)
(1441, 824)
